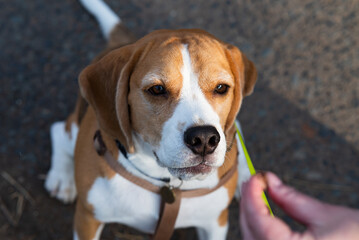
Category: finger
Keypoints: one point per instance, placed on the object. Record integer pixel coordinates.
(301, 207)
(256, 222)
(245, 229)
(252, 196)
(250, 206)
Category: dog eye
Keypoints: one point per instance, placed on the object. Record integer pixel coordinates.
(157, 90)
(221, 89)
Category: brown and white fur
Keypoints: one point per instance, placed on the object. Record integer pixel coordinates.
(189, 68)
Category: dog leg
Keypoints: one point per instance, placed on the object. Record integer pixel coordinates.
(60, 179)
(86, 226)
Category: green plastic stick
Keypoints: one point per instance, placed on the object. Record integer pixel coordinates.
(250, 166)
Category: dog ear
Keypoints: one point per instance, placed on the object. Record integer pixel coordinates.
(105, 85)
(245, 75)
(250, 76)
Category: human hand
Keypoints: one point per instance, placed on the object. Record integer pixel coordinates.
(323, 221)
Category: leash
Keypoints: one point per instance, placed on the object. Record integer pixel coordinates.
(250, 166)
(170, 196)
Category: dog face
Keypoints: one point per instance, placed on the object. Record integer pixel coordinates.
(175, 93)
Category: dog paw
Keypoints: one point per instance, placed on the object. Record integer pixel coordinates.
(61, 185)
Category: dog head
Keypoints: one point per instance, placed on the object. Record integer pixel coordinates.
(175, 94)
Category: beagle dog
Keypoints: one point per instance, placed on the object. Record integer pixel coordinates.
(165, 105)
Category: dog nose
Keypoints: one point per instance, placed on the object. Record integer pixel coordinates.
(202, 140)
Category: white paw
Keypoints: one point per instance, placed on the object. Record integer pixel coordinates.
(60, 179)
(61, 185)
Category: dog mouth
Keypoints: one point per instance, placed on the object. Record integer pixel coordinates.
(187, 172)
(202, 168)
(199, 172)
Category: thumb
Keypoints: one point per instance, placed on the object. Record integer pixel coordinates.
(299, 206)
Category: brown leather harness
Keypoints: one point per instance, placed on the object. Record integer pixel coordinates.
(170, 197)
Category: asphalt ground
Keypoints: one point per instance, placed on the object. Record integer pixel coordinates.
(301, 122)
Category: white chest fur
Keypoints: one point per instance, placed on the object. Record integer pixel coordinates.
(121, 201)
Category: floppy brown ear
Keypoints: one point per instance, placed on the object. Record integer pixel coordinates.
(250, 76)
(104, 84)
(245, 75)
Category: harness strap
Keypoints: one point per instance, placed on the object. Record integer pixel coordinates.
(169, 209)
(168, 216)
(101, 150)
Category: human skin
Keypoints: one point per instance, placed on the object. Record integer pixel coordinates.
(323, 221)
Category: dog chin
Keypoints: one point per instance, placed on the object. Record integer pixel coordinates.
(199, 172)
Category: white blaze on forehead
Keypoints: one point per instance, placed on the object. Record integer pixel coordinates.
(188, 86)
(197, 107)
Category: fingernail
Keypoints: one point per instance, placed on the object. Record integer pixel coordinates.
(273, 180)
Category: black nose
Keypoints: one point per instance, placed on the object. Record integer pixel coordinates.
(202, 140)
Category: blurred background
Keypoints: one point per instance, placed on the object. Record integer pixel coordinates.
(301, 122)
